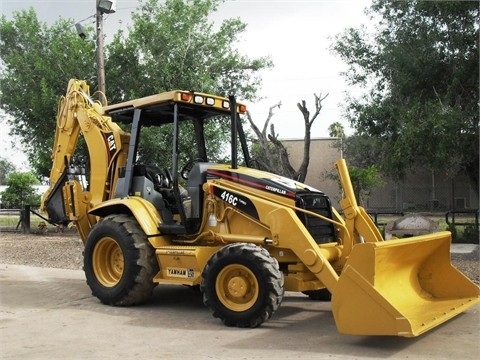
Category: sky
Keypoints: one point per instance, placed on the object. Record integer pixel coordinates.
(295, 34)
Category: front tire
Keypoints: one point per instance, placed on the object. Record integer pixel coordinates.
(242, 285)
(119, 262)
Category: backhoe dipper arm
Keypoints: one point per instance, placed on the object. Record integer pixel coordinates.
(65, 199)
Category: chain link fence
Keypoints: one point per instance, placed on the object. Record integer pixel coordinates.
(424, 191)
(452, 202)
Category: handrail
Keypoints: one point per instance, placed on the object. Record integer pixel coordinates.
(468, 212)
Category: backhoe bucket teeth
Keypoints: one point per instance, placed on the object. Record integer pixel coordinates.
(401, 287)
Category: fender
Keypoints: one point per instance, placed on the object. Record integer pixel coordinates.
(144, 212)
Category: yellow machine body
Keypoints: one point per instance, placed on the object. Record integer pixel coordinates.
(403, 287)
(242, 234)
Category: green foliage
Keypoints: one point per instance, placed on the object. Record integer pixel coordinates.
(364, 151)
(6, 167)
(39, 60)
(421, 65)
(336, 130)
(171, 45)
(268, 158)
(470, 235)
(465, 234)
(20, 191)
(363, 180)
(156, 143)
(174, 45)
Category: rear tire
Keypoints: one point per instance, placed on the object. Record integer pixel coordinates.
(119, 262)
(242, 285)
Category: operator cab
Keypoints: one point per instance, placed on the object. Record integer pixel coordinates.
(180, 119)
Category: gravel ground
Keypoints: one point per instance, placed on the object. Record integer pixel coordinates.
(58, 250)
(64, 251)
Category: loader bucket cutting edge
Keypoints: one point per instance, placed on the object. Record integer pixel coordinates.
(401, 287)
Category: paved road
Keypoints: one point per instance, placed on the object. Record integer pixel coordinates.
(50, 314)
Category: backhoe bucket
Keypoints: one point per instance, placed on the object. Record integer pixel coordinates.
(401, 287)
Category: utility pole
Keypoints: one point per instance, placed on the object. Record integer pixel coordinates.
(100, 56)
(103, 7)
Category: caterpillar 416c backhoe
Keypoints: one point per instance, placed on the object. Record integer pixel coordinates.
(242, 235)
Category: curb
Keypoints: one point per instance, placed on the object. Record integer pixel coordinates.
(463, 248)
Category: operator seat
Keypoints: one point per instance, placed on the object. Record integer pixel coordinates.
(196, 178)
(149, 182)
(193, 206)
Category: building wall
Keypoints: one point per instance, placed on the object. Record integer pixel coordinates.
(323, 155)
(422, 189)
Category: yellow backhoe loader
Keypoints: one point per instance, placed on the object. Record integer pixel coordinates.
(241, 235)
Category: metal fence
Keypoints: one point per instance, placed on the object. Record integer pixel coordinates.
(26, 220)
(11, 220)
(423, 191)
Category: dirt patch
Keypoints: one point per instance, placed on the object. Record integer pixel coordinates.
(56, 250)
(65, 251)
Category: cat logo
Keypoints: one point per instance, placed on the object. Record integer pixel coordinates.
(110, 143)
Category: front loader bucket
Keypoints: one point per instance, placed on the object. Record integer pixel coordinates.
(401, 287)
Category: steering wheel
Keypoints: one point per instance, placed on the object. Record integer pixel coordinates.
(188, 167)
(169, 177)
(164, 179)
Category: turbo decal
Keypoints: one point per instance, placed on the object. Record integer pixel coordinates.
(236, 200)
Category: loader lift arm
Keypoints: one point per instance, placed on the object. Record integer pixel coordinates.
(401, 287)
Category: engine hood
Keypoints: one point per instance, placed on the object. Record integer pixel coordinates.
(260, 180)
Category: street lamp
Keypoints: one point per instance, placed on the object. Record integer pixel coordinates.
(106, 6)
(103, 7)
(80, 31)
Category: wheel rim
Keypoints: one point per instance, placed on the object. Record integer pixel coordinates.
(108, 263)
(237, 287)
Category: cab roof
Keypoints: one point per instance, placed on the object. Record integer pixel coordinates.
(159, 108)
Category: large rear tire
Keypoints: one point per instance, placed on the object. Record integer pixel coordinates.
(119, 262)
(242, 285)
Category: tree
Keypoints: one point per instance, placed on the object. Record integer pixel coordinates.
(269, 152)
(171, 45)
(38, 62)
(20, 190)
(361, 157)
(6, 167)
(336, 130)
(175, 45)
(363, 180)
(264, 153)
(421, 65)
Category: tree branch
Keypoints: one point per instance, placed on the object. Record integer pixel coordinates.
(269, 117)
